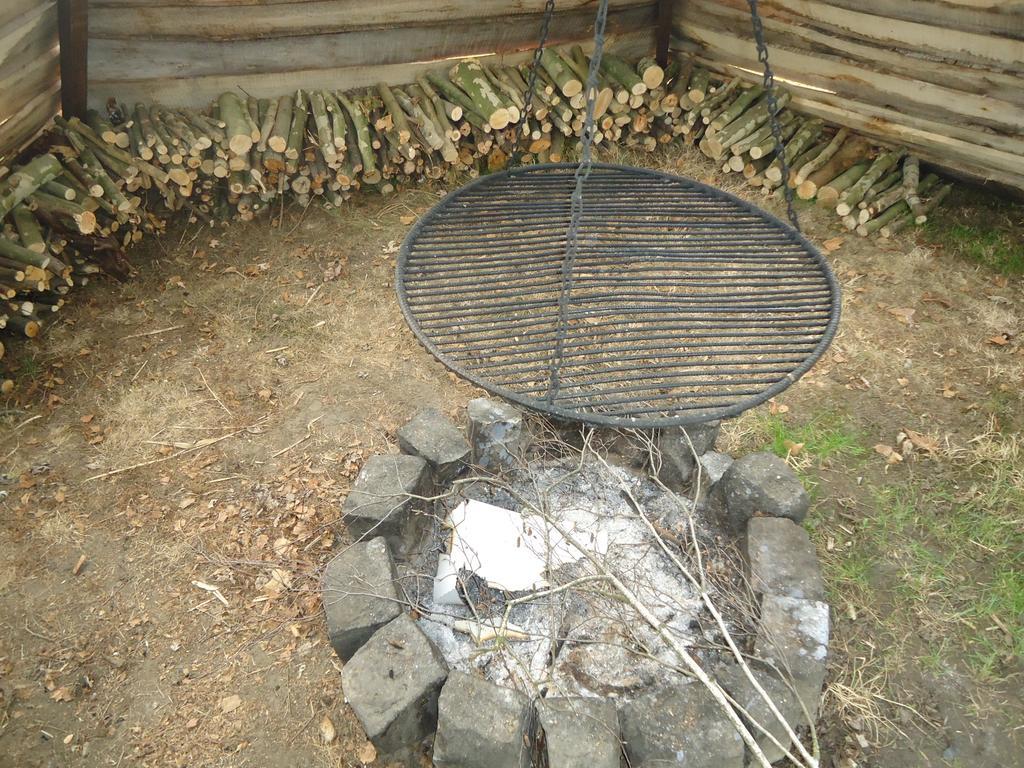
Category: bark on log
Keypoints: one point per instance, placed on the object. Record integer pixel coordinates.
(829, 193)
(848, 154)
(856, 191)
(27, 179)
(469, 76)
(561, 72)
(650, 72)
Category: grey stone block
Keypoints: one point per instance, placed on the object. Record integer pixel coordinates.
(782, 559)
(380, 502)
(762, 483)
(580, 733)
(680, 448)
(702, 436)
(358, 593)
(714, 465)
(496, 434)
(682, 726)
(738, 685)
(435, 439)
(482, 725)
(392, 684)
(794, 634)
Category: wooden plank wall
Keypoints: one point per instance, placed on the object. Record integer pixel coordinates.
(944, 77)
(29, 70)
(185, 52)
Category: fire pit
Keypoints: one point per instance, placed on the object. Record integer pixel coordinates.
(524, 597)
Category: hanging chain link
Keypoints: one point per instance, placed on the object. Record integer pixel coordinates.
(773, 111)
(576, 204)
(531, 83)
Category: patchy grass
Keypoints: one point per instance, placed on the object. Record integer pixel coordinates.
(825, 437)
(948, 556)
(981, 227)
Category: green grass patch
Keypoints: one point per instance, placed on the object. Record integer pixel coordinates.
(826, 436)
(981, 227)
(950, 558)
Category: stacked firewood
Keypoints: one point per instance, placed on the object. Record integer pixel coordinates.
(105, 182)
(872, 189)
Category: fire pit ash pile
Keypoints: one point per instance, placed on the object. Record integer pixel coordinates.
(528, 596)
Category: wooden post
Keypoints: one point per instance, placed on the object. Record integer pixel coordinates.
(73, 24)
(663, 32)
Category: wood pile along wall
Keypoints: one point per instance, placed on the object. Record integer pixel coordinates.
(188, 52)
(73, 211)
(941, 78)
(29, 70)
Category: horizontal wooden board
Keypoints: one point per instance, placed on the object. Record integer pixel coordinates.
(21, 46)
(183, 21)
(1003, 18)
(924, 39)
(200, 91)
(734, 15)
(21, 127)
(12, 11)
(932, 141)
(24, 84)
(29, 68)
(142, 59)
(863, 83)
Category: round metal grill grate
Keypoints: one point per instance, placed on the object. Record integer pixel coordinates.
(683, 304)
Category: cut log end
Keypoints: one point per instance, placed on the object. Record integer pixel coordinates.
(240, 143)
(499, 119)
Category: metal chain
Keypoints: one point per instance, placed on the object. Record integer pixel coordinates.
(531, 84)
(576, 204)
(773, 111)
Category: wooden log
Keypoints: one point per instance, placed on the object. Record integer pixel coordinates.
(27, 179)
(28, 326)
(622, 73)
(469, 76)
(881, 202)
(324, 132)
(737, 107)
(856, 191)
(110, 189)
(806, 134)
(23, 256)
(401, 124)
(279, 133)
(234, 114)
(911, 177)
(60, 189)
(103, 128)
(370, 173)
(561, 72)
(909, 217)
(650, 72)
(431, 121)
(29, 232)
(848, 153)
(458, 97)
(809, 153)
(761, 135)
(766, 147)
(297, 132)
(698, 86)
(267, 123)
(741, 126)
(819, 160)
(829, 193)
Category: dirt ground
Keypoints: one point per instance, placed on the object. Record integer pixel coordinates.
(180, 445)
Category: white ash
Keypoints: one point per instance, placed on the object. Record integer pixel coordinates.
(601, 646)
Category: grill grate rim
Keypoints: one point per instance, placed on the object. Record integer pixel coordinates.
(687, 303)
